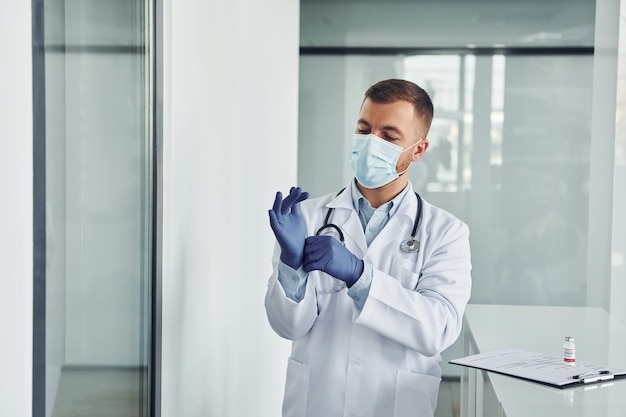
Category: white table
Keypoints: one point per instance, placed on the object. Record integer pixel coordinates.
(599, 339)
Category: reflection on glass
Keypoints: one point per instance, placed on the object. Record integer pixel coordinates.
(542, 197)
(98, 202)
(441, 167)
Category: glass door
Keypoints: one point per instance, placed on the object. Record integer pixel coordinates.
(98, 175)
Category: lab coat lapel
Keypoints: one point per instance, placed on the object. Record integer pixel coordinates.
(354, 231)
(347, 218)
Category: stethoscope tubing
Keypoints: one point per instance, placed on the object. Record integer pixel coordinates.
(409, 245)
(331, 226)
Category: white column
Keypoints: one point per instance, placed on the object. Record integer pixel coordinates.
(618, 272)
(230, 132)
(16, 224)
(602, 153)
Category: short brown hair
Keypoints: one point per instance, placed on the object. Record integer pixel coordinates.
(389, 91)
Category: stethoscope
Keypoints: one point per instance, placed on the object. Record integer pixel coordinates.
(409, 246)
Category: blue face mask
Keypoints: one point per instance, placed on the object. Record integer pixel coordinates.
(374, 160)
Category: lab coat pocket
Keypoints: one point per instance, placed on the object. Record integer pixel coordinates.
(416, 394)
(296, 389)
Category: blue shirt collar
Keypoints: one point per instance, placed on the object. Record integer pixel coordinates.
(391, 207)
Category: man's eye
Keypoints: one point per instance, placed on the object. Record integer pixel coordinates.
(390, 138)
(363, 131)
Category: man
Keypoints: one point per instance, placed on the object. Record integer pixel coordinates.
(370, 316)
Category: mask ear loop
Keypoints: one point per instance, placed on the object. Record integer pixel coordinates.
(406, 149)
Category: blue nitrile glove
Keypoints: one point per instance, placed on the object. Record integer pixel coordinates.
(288, 226)
(327, 254)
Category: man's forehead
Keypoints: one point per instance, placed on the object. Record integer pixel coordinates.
(395, 116)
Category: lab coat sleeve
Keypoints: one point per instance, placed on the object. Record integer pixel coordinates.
(289, 318)
(429, 317)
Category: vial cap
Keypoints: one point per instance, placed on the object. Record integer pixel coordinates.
(569, 339)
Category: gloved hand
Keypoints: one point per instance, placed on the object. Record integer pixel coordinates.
(288, 225)
(327, 254)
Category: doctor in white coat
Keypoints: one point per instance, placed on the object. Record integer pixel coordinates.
(369, 319)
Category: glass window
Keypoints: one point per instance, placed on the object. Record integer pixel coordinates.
(511, 84)
(98, 202)
(507, 155)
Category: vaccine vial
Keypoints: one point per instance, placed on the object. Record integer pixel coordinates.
(569, 351)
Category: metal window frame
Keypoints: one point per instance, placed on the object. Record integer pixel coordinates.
(467, 50)
(39, 211)
(157, 213)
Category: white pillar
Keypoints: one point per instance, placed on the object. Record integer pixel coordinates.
(16, 223)
(602, 152)
(230, 133)
(618, 272)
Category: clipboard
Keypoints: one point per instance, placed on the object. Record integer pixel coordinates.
(540, 368)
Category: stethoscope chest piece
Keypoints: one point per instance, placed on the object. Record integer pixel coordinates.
(410, 245)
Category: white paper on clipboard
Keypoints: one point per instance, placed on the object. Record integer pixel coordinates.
(541, 368)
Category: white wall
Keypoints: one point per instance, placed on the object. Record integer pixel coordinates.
(230, 121)
(16, 176)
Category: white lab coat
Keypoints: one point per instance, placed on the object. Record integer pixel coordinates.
(382, 360)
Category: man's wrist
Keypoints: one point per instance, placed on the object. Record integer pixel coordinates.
(358, 272)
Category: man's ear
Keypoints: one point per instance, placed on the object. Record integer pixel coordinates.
(419, 150)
